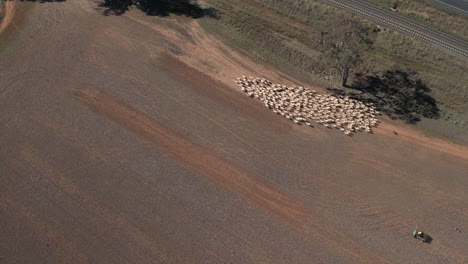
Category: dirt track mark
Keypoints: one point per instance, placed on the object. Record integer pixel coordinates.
(197, 158)
(9, 13)
(206, 163)
(210, 54)
(68, 250)
(221, 93)
(99, 212)
(413, 137)
(247, 247)
(215, 49)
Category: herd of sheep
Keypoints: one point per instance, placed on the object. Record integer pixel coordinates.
(304, 106)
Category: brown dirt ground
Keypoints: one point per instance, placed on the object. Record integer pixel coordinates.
(124, 139)
(9, 14)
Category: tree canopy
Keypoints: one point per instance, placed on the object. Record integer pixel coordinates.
(344, 45)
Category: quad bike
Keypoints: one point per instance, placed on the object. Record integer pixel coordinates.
(421, 236)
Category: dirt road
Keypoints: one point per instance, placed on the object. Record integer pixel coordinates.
(124, 139)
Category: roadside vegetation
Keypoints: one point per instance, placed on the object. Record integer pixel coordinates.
(423, 12)
(341, 51)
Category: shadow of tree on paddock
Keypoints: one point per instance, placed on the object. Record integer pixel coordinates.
(396, 93)
(43, 1)
(158, 8)
(163, 8)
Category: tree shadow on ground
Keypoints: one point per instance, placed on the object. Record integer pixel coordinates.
(43, 1)
(396, 93)
(163, 8)
(158, 8)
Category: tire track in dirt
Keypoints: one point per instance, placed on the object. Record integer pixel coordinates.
(98, 212)
(68, 250)
(417, 138)
(221, 171)
(308, 215)
(382, 218)
(9, 14)
(441, 202)
(118, 220)
(211, 55)
(432, 193)
(248, 247)
(195, 157)
(222, 94)
(215, 49)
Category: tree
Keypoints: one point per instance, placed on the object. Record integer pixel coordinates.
(344, 45)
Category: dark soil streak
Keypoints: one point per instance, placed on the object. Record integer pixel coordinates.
(204, 162)
(195, 157)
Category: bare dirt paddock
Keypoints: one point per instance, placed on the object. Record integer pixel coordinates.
(124, 139)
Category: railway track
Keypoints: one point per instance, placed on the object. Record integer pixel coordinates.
(404, 25)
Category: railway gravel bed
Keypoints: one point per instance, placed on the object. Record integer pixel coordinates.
(404, 25)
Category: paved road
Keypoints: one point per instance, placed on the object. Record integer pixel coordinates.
(404, 25)
(460, 6)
